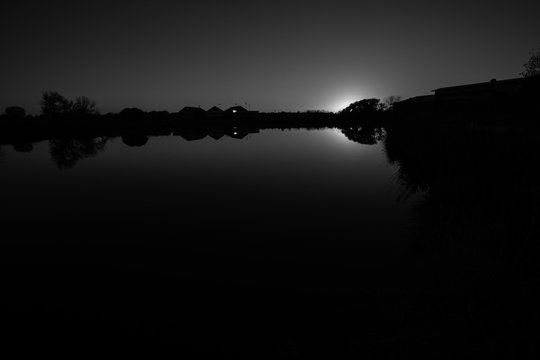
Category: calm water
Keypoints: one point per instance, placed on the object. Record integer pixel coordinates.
(302, 195)
(277, 245)
(274, 217)
(289, 191)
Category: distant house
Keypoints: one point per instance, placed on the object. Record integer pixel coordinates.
(214, 112)
(482, 91)
(494, 96)
(417, 103)
(237, 110)
(190, 112)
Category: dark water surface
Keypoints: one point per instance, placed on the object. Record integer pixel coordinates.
(225, 246)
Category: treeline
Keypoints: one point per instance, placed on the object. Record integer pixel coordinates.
(61, 118)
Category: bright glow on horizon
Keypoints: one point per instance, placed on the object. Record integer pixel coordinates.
(344, 103)
(340, 98)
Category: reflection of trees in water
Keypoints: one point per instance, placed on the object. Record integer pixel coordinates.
(67, 152)
(135, 140)
(412, 157)
(365, 135)
(23, 147)
(468, 173)
(476, 238)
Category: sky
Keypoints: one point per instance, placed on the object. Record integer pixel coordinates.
(268, 56)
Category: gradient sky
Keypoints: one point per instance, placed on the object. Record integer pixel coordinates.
(273, 55)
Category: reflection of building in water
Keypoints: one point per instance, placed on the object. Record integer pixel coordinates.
(190, 133)
(240, 132)
(216, 132)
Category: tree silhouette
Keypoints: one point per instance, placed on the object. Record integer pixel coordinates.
(532, 67)
(84, 106)
(54, 104)
(365, 106)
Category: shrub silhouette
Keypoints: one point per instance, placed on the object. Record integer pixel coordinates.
(23, 147)
(15, 112)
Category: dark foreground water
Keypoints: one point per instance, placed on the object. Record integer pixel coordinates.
(279, 244)
(215, 245)
(305, 196)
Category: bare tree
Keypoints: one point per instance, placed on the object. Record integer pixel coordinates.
(532, 67)
(84, 106)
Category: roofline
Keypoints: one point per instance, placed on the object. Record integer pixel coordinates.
(481, 84)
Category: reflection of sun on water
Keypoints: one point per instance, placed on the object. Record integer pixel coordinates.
(337, 135)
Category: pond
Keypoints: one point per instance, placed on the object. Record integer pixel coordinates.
(289, 191)
(269, 243)
(173, 236)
